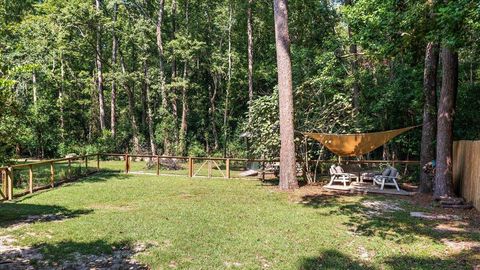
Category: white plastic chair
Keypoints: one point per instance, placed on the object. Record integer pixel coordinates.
(338, 175)
(388, 177)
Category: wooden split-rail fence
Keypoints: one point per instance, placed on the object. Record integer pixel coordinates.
(211, 164)
(7, 174)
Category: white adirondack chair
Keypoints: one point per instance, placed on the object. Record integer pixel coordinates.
(337, 174)
(388, 177)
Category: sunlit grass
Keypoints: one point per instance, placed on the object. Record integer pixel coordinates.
(217, 224)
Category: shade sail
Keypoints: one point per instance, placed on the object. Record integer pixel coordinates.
(350, 145)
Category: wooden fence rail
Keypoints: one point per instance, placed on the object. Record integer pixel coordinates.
(7, 175)
(211, 162)
(466, 170)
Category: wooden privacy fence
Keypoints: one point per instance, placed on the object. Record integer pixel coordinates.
(466, 170)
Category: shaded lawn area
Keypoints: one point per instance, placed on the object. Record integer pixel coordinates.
(238, 224)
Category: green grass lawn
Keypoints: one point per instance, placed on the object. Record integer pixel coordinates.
(42, 174)
(219, 224)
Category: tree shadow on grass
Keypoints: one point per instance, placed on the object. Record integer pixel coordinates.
(270, 182)
(97, 254)
(102, 176)
(387, 218)
(397, 224)
(92, 177)
(324, 200)
(275, 181)
(458, 261)
(390, 219)
(331, 259)
(18, 214)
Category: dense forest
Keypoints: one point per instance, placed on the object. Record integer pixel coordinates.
(191, 77)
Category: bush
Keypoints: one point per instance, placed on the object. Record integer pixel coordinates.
(196, 150)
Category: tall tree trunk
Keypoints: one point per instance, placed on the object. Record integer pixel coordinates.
(113, 105)
(98, 60)
(166, 142)
(429, 129)
(229, 83)
(164, 105)
(143, 98)
(34, 87)
(161, 6)
(151, 134)
(288, 172)
(250, 56)
(212, 110)
(174, 32)
(183, 125)
(446, 112)
(131, 109)
(60, 98)
(354, 66)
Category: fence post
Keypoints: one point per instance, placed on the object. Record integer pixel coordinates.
(30, 179)
(3, 175)
(227, 168)
(190, 167)
(209, 169)
(263, 171)
(10, 183)
(158, 165)
(98, 162)
(126, 164)
(52, 175)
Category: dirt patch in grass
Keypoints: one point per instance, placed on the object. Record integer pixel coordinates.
(459, 246)
(37, 218)
(456, 227)
(468, 221)
(17, 257)
(307, 193)
(264, 263)
(378, 208)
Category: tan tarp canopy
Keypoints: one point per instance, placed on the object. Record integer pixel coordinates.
(350, 145)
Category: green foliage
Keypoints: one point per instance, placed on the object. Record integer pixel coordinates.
(451, 21)
(196, 150)
(264, 127)
(11, 128)
(49, 48)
